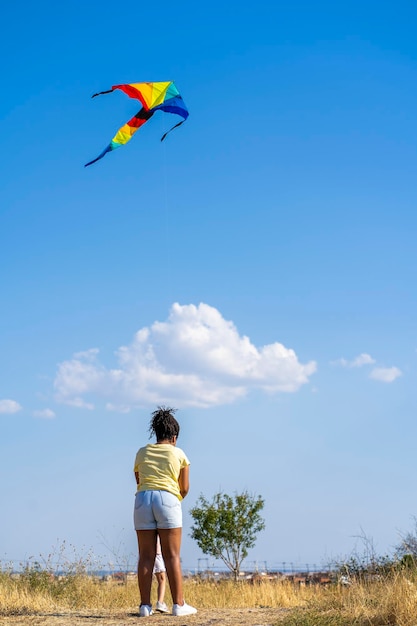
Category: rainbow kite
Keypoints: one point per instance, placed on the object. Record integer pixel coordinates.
(154, 97)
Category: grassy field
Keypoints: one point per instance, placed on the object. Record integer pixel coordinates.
(389, 600)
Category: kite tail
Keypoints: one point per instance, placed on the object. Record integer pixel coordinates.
(168, 131)
(100, 156)
(100, 93)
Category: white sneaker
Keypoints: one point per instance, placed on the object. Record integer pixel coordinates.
(184, 609)
(161, 607)
(145, 610)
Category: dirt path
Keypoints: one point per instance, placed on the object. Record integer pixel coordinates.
(205, 617)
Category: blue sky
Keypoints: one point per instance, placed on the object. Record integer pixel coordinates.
(257, 269)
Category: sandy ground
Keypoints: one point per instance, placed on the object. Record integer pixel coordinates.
(204, 617)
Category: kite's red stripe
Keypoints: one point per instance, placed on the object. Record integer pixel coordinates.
(139, 119)
(136, 122)
(132, 93)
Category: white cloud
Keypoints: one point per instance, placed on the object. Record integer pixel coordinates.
(9, 406)
(362, 359)
(44, 414)
(195, 358)
(359, 361)
(385, 374)
(82, 374)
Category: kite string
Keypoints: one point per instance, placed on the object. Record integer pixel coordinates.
(167, 247)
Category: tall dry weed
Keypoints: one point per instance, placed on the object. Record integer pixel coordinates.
(18, 594)
(242, 594)
(389, 601)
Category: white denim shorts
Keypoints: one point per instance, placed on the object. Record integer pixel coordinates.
(159, 565)
(157, 509)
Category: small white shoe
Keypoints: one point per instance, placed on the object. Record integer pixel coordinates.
(183, 609)
(161, 607)
(145, 610)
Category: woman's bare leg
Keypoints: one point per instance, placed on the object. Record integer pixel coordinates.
(171, 546)
(147, 553)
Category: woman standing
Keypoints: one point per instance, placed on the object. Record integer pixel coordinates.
(162, 477)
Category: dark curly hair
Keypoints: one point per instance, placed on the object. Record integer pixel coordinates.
(163, 424)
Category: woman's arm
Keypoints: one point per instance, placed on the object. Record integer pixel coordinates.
(184, 480)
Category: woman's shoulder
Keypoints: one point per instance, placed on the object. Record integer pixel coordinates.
(143, 449)
(181, 455)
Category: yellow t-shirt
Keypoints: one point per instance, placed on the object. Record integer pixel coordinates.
(159, 465)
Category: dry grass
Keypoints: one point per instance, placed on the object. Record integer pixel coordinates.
(391, 601)
(385, 602)
(39, 592)
(228, 594)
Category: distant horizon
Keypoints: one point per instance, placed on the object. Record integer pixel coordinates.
(246, 568)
